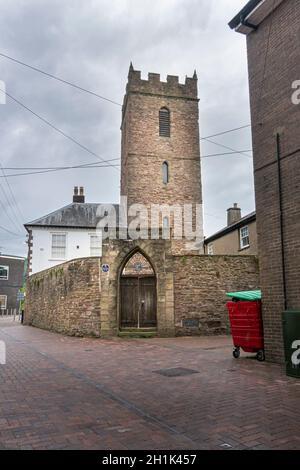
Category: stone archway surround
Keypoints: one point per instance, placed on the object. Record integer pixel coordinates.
(115, 254)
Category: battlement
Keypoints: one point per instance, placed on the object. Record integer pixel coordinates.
(155, 86)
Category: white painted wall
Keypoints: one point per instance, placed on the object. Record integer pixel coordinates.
(77, 246)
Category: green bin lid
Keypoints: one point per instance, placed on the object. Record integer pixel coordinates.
(248, 295)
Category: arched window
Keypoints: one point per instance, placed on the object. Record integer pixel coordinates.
(164, 122)
(165, 172)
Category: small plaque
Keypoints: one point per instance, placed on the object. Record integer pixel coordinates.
(190, 323)
(105, 268)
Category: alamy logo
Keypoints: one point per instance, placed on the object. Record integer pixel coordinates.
(296, 354)
(2, 92)
(296, 94)
(2, 353)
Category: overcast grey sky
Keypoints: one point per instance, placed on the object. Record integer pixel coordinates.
(91, 43)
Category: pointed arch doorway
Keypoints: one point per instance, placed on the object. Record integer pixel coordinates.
(138, 298)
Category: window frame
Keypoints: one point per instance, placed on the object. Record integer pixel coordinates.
(244, 237)
(165, 173)
(7, 270)
(164, 122)
(5, 305)
(94, 235)
(56, 258)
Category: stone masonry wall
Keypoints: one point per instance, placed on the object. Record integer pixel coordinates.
(144, 151)
(200, 285)
(76, 298)
(66, 298)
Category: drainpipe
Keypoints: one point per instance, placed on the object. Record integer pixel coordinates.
(281, 220)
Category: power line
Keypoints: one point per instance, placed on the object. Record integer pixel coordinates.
(226, 132)
(96, 165)
(4, 207)
(10, 232)
(87, 166)
(18, 212)
(36, 69)
(83, 165)
(54, 170)
(227, 153)
(226, 147)
(55, 128)
(66, 82)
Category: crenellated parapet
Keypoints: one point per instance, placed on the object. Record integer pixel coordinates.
(154, 85)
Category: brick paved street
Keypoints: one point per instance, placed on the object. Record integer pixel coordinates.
(59, 392)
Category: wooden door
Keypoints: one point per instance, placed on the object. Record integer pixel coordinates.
(129, 302)
(147, 299)
(138, 302)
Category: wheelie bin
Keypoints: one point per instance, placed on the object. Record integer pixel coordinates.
(246, 323)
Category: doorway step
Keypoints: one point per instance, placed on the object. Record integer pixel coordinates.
(138, 332)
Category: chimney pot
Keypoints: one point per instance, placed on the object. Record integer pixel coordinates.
(78, 197)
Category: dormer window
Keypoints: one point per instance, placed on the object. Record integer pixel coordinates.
(164, 122)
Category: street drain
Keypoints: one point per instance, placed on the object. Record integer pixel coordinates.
(176, 372)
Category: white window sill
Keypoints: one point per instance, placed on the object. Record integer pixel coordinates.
(244, 247)
(57, 259)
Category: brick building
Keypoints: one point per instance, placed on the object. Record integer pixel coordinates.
(272, 29)
(11, 280)
(239, 237)
(151, 283)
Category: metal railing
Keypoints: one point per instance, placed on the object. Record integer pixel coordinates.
(10, 314)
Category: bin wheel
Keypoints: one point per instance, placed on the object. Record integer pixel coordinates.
(236, 353)
(260, 356)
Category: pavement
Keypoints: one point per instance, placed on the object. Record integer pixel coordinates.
(59, 392)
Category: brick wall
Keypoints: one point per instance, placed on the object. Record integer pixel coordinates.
(66, 298)
(200, 285)
(272, 70)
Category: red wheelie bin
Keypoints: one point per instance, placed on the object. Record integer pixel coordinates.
(246, 323)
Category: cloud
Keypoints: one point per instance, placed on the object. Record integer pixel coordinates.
(91, 43)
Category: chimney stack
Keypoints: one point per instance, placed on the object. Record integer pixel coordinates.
(78, 196)
(234, 214)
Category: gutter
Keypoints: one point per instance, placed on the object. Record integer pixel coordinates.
(247, 23)
(240, 18)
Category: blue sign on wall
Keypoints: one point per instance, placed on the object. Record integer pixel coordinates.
(105, 268)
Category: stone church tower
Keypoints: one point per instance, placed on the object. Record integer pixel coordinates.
(160, 157)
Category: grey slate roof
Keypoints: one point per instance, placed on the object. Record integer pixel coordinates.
(230, 228)
(76, 215)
